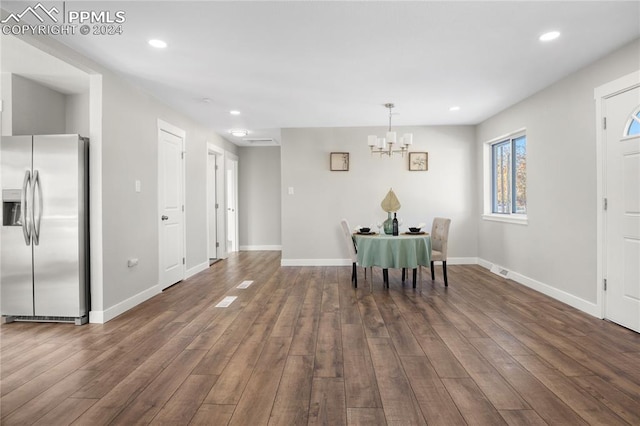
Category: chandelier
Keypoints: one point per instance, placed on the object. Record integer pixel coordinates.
(390, 144)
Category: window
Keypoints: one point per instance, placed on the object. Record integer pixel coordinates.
(633, 125)
(509, 176)
(505, 178)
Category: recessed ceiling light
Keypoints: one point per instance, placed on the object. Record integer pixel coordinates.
(239, 133)
(206, 100)
(551, 35)
(454, 108)
(234, 112)
(158, 44)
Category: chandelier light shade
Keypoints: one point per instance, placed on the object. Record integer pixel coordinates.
(390, 144)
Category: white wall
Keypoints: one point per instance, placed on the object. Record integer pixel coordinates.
(36, 109)
(130, 219)
(557, 249)
(259, 201)
(6, 124)
(77, 114)
(123, 130)
(311, 217)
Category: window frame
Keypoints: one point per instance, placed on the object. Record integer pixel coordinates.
(489, 188)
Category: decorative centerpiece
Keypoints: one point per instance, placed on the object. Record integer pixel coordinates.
(390, 204)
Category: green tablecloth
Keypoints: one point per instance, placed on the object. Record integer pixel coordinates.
(386, 251)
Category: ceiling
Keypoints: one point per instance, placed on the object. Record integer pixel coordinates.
(331, 64)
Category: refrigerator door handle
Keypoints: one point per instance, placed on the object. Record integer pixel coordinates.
(36, 224)
(24, 207)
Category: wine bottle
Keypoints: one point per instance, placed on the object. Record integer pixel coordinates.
(395, 225)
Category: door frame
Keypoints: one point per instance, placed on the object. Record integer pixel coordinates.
(232, 158)
(601, 93)
(220, 219)
(176, 131)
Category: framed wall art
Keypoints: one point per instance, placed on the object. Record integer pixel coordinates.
(339, 161)
(418, 161)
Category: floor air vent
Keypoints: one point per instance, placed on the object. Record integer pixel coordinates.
(500, 271)
(73, 320)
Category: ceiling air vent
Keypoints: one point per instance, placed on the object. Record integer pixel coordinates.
(260, 141)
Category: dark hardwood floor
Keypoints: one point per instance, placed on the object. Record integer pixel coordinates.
(301, 346)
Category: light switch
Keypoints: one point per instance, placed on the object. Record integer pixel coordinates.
(291, 190)
(138, 186)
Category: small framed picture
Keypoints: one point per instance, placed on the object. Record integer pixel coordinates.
(339, 161)
(418, 161)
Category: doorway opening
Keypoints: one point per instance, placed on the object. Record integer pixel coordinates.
(231, 170)
(215, 192)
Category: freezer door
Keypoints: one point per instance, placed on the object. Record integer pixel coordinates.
(59, 231)
(16, 278)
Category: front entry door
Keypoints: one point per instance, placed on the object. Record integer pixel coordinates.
(622, 217)
(171, 207)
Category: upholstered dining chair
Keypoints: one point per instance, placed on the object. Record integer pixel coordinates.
(439, 240)
(351, 246)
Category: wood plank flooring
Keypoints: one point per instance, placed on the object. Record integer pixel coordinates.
(301, 346)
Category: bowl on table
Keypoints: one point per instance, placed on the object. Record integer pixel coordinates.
(364, 230)
(414, 229)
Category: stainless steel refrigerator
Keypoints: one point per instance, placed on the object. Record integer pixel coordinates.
(44, 249)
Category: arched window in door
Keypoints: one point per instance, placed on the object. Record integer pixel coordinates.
(633, 124)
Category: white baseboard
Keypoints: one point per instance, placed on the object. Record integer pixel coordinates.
(485, 264)
(347, 262)
(315, 262)
(100, 317)
(571, 300)
(462, 261)
(198, 268)
(261, 248)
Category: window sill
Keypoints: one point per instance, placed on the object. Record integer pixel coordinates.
(507, 218)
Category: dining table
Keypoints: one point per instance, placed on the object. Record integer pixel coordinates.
(407, 251)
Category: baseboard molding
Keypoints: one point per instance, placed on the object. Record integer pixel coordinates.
(315, 262)
(261, 248)
(571, 300)
(348, 262)
(462, 261)
(198, 268)
(100, 317)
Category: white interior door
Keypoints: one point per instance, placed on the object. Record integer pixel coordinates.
(171, 205)
(622, 217)
(212, 205)
(231, 168)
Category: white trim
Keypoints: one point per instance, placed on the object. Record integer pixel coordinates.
(316, 262)
(519, 219)
(198, 268)
(96, 255)
(100, 317)
(485, 263)
(218, 152)
(601, 93)
(510, 135)
(176, 131)
(349, 262)
(462, 261)
(231, 157)
(261, 248)
(571, 300)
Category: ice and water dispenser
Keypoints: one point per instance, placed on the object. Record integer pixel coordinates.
(11, 207)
